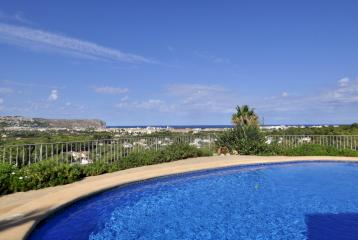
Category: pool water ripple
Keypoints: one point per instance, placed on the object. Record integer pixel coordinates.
(279, 201)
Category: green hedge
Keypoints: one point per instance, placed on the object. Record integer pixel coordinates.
(6, 175)
(317, 150)
(44, 174)
(49, 173)
(137, 159)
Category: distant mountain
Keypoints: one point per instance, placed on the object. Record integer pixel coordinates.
(19, 121)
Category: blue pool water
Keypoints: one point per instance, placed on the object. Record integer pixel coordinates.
(317, 200)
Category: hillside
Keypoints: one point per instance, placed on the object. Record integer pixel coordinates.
(19, 121)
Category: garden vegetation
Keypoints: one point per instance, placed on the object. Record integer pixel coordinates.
(248, 139)
(49, 173)
(245, 138)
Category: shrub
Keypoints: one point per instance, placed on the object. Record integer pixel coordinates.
(6, 172)
(204, 152)
(46, 173)
(50, 173)
(181, 151)
(96, 168)
(136, 159)
(318, 150)
(272, 149)
(173, 152)
(244, 139)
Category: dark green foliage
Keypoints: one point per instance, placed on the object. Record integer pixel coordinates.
(308, 150)
(39, 175)
(170, 153)
(271, 150)
(246, 140)
(6, 171)
(318, 150)
(96, 168)
(251, 141)
(180, 151)
(45, 174)
(136, 159)
(50, 173)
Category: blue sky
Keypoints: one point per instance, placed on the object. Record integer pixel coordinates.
(180, 62)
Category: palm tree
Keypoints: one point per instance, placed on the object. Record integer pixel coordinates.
(245, 116)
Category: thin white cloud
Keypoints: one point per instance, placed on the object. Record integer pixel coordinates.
(53, 95)
(28, 85)
(1, 101)
(45, 107)
(125, 98)
(201, 98)
(197, 89)
(343, 82)
(43, 40)
(212, 58)
(70, 108)
(17, 16)
(186, 99)
(346, 92)
(194, 99)
(20, 17)
(5, 90)
(110, 90)
(151, 104)
(344, 95)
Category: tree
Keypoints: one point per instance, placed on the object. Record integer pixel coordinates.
(245, 116)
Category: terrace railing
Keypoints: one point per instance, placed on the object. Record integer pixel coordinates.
(109, 150)
(337, 141)
(84, 152)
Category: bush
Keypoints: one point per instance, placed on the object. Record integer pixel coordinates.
(250, 140)
(173, 152)
(96, 168)
(46, 173)
(50, 173)
(244, 139)
(6, 172)
(180, 151)
(271, 150)
(136, 159)
(318, 150)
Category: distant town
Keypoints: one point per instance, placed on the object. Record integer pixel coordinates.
(20, 123)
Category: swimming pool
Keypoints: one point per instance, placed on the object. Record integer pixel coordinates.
(315, 200)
